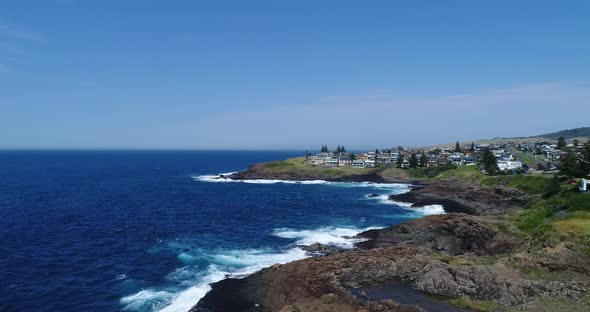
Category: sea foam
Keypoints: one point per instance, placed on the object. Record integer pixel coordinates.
(223, 178)
(194, 281)
(339, 237)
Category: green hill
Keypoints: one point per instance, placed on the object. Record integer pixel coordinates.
(567, 134)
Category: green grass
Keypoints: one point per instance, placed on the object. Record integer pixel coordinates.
(280, 165)
(577, 223)
(299, 164)
(531, 184)
(469, 173)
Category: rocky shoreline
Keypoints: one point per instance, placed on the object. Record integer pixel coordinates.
(468, 253)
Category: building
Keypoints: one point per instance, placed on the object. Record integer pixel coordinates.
(331, 162)
(369, 163)
(509, 165)
(585, 186)
(358, 163)
(344, 162)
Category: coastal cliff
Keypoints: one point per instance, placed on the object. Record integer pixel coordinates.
(297, 169)
(480, 256)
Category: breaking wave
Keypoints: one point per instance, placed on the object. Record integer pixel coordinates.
(202, 267)
(193, 281)
(339, 237)
(223, 178)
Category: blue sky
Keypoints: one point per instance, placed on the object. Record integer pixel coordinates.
(277, 75)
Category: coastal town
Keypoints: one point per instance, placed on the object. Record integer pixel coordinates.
(541, 157)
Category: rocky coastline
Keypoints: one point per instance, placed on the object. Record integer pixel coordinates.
(469, 254)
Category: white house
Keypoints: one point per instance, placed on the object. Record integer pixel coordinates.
(509, 165)
(358, 163)
(331, 162)
(369, 163)
(317, 160)
(585, 186)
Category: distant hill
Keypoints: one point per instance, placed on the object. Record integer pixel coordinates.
(577, 133)
(567, 134)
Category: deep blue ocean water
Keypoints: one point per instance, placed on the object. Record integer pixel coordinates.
(148, 230)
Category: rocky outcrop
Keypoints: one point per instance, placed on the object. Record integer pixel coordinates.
(461, 196)
(262, 171)
(454, 234)
(440, 255)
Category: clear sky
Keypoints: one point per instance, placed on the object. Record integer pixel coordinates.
(288, 74)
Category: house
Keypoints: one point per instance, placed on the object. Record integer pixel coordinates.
(509, 165)
(331, 162)
(358, 163)
(344, 162)
(369, 163)
(585, 186)
(316, 160)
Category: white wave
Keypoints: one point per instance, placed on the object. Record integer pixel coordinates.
(430, 210)
(424, 210)
(146, 300)
(398, 203)
(185, 299)
(340, 237)
(222, 177)
(195, 282)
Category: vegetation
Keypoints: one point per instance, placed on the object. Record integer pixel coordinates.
(429, 172)
(576, 165)
(423, 160)
(568, 134)
(400, 160)
(561, 144)
(489, 163)
(553, 187)
(413, 161)
(531, 184)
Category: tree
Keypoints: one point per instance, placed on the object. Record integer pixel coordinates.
(585, 160)
(472, 148)
(306, 155)
(423, 160)
(400, 160)
(376, 154)
(553, 187)
(576, 143)
(342, 149)
(400, 148)
(489, 162)
(569, 165)
(457, 147)
(352, 156)
(561, 144)
(413, 161)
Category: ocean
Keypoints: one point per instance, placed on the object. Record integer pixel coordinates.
(149, 230)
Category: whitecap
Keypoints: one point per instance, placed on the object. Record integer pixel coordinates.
(340, 237)
(195, 281)
(398, 188)
(146, 300)
(430, 210)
